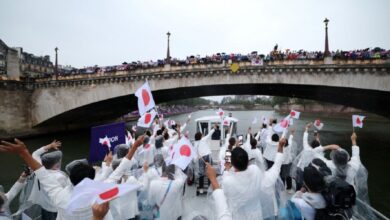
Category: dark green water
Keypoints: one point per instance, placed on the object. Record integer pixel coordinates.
(373, 139)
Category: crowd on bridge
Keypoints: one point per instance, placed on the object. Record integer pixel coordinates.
(255, 58)
(252, 174)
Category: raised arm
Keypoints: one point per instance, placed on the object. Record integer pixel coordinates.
(126, 162)
(306, 145)
(16, 188)
(37, 153)
(221, 206)
(208, 136)
(269, 132)
(272, 174)
(355, 158)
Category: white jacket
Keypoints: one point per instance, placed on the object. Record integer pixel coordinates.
(60, 198)
(40, 196)
(203, 146)
(307, 203)
(172, 207)
(287, 157)
(243, 190)
(354, 165)
(271, 146)
(221, 206)
(125, 207)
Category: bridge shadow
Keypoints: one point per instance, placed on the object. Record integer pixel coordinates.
(368, 100)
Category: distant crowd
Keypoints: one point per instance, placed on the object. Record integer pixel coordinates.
(255, 58)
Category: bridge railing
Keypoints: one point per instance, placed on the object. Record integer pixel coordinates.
(226, 65)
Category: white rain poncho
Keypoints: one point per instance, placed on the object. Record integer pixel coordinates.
(170, 188)
(248, 192)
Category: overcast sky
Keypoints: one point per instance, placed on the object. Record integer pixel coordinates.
(108, 32)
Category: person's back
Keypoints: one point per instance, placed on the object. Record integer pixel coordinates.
(166, 193)
(60, 197)
(247, 187)
(242, 191)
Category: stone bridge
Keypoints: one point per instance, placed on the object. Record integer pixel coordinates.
(84, 100)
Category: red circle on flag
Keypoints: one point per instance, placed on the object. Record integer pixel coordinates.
(185, 150)
(145, 97)
(148, 117)
(109, 194)
(318, 122)
(284, 123)
(358, 121)
(292, 113)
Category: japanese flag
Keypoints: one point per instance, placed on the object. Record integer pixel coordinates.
(282, 125)
(294, 114)
(357, 121)
(220, 112)
(145, 99)
(226, 122)
(147, 119)
(105, 142)
(89, 191)
(168, 123)
(318, 124)
(129, 139)
(183, 153)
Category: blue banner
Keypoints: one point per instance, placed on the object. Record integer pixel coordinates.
(105, 138)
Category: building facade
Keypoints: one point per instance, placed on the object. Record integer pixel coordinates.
(15, 64)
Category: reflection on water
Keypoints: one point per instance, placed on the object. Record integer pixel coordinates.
(373, 139)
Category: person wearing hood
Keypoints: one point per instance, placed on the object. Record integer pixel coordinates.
(247, 188)
(309, 198)
(166, 194)
(6, 198)
(342, 165)
(60, 196)
(124, 207)
(50, 157)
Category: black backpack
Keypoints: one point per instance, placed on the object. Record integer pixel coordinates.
(340, 196)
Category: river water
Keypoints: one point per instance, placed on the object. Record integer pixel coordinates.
(373, 139)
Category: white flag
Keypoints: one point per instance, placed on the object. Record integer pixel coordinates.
(145, 99)
(183, 153)
(318, 124)
(357, 120)
(282, 125)
(147, 119)
(89, 191)
(295, 114)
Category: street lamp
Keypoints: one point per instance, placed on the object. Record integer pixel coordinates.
(327, 52)
(56, 63)
(168, 60)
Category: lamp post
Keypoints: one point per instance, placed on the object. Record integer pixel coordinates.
(326, 53)
(168, 60)
(56, 63)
